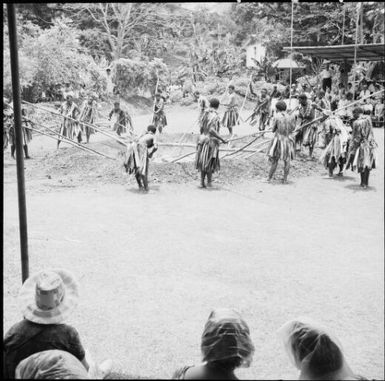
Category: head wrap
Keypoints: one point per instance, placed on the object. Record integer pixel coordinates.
(51, 365)
(227, 336)
(311, 348)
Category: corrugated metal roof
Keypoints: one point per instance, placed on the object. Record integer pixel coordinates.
(365, 52)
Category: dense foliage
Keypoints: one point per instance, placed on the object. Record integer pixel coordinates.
(76, 42)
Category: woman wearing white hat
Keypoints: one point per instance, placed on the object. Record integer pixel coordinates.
(47, 299)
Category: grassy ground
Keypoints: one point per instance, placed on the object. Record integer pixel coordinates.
(152, 266)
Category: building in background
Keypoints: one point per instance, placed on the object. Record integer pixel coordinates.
(255, 51)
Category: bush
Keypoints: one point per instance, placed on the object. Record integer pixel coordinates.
(131, 74)
(176, 96)
(213, 86)
(187, 101)
(50, 57)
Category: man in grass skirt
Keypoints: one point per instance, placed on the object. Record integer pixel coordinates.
(26, 133)
(260, 115)
(362, 150)
(203, 104)
(231, 115)
(337, 143)
(88, 114)
(159, 119)
(70, 127)
(282, 145)
(7, 122)
(207, 155)
(307, 136)
(137, 156)
(120, 119)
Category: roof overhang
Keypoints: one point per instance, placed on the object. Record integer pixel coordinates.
(338, 53)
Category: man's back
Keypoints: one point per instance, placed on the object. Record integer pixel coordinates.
(26, 338)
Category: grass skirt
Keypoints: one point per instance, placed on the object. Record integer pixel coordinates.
(119, 128)
(309, 136)
(334, 152)
(136, 159)
(365, 157)
(69, 129)
(159, 120)
(207, 155)
(5, 139)
(27, 136)
(260, 120)
(230, 118)
(281, 147)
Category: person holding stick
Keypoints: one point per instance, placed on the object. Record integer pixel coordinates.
(207, 154)
(306, 113)
(203, 104)
(7, 122)
(231, 115)
(120, 119)
(159, 119)
(335, 151)
(27, 133)
(88, 115)
(137, 156)
(282, 145)
(69, 127)
(261, 111)
(362, 151)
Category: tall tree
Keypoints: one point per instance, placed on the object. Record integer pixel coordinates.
(123, 23)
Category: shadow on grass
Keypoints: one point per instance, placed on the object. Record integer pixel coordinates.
(279, 182)
(125, 376)
(339, 178)
(151, 188)
(358, 188)
(9, 164)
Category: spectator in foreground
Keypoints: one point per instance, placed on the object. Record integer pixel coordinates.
(226, 345)
(51, 365)
(47, 299)
(315, 352)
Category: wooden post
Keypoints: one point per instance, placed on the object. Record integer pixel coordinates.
(343, 23)
(19, 142)
(358, 8)
(362, 22)
(291, 49)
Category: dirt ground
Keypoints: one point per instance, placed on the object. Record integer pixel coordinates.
(152, 266)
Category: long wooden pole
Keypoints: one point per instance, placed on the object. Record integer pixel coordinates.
(343, 23)
(66, 139)
(221, 149)
(259, 150)
(19, 142)
(336, 111)
(156, 90)
(355, 50)
(240, 149)
(77, 121)
(291, 48)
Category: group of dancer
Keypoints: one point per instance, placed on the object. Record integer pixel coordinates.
(344, 146)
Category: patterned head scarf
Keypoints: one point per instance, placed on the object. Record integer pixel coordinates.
(227, 336)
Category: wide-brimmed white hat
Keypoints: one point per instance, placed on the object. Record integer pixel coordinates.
(49, 296)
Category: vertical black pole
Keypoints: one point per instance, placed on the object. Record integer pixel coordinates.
(19, 141)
